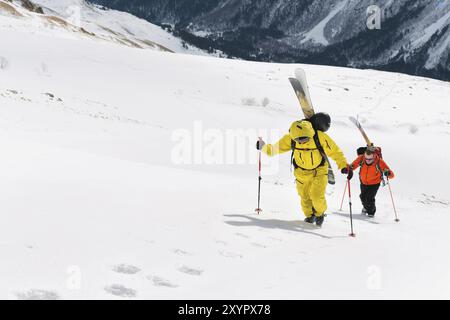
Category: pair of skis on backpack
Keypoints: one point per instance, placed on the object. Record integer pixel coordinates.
(318, 120)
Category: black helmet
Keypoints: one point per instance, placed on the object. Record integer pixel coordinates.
(321, 121)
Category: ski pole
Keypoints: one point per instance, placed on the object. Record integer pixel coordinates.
(343, 196)
(352, 234)
(392, 198)
(258, 209)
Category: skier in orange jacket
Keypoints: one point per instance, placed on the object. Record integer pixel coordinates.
(372, 171)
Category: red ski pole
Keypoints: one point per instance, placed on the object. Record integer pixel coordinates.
(392, 198)
(352, 234)
(258, 209)
(343, 196)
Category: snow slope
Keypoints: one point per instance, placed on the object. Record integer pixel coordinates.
(84, 20)
(95, 204)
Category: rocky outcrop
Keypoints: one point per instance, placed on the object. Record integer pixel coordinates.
(27, 4)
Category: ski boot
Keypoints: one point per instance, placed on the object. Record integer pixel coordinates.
(364, 211)
(320, 220)
(310, 219)
(371, 214)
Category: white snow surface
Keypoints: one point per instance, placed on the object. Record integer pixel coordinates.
(93, 204)
(85, 20)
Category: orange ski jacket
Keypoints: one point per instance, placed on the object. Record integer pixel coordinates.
(371, 174)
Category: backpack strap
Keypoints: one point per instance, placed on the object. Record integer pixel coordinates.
(383, 180)
(320, 148)
(331, 178)
(377, 165)
(293, 164)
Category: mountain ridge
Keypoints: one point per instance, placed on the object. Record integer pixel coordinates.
(331, 32)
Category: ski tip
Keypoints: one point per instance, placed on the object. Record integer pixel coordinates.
(294, 82)
(299, 71)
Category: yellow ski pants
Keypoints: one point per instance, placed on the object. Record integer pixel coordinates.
(311, 186)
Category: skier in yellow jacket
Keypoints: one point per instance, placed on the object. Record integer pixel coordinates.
(311, 168)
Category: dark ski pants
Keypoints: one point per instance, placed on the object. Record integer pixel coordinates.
(367, 196)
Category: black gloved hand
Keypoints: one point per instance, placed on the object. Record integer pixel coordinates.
(260, 144)
(348, 171)
(387, 173)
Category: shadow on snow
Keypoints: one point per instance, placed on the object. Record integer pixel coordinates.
(295, 226)
(357, 216)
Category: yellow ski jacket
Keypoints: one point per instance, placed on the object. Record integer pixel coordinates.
(307, 156)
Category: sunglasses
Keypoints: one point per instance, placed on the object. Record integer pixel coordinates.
(302, 140)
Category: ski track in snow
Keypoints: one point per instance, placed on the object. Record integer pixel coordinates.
(121, 291)
(190, 271)
(161, 282)
(37, 294)
(126, 269)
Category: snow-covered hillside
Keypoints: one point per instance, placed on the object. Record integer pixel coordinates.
(96, 204)
(77, 19)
